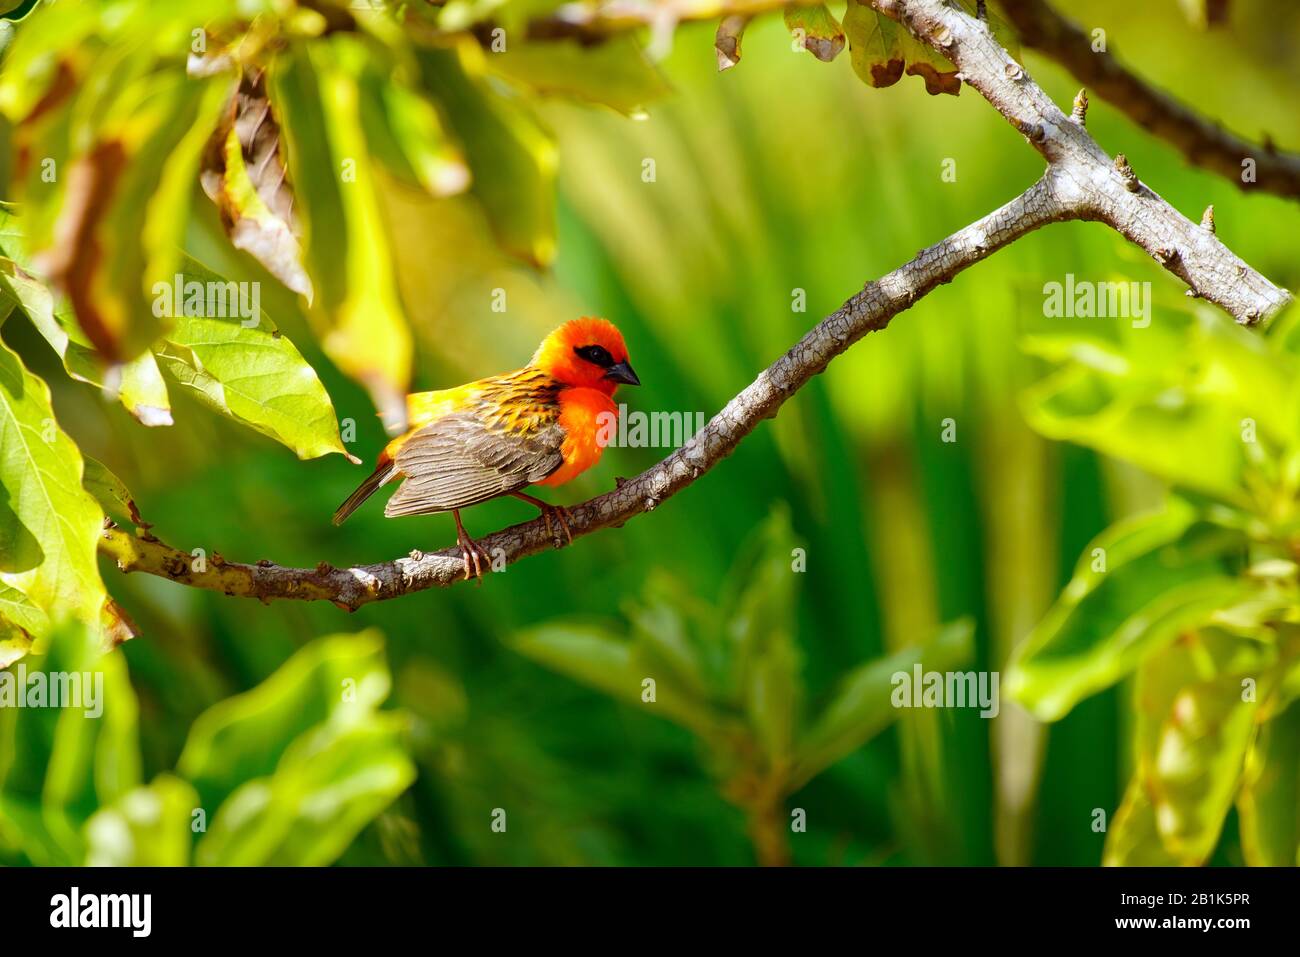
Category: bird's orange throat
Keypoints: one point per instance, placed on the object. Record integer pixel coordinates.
(585, 415)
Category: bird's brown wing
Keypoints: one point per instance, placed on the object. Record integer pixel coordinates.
(467, 458)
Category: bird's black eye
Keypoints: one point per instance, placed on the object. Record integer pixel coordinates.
(596, 354)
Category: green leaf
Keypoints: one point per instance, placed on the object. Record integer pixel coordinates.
(1137, 586)
(406, 133)
(1183, 400)
(667, 630)
(615, 73)
(1169, 435)
(250, 373)
(1170, 796)
(330, 783)
(1268, 806)
(816, 30)
(595, 657)
(49, 525)
(21, 623)
(338, 680)
(1198, 764)
(1132, 839)
(773, 693)
(759, 611)
(64, 762)
(862, 706)
(149, 826)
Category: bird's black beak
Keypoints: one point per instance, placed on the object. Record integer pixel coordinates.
(622, 372)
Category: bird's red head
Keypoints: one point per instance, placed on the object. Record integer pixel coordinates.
(586, 352)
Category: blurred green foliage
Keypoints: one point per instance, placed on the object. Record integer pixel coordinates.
(778, 188)
(731, 674)
(1202, 599)
(285, 773)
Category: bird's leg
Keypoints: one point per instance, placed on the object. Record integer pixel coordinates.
(562, 516)
(471, 551)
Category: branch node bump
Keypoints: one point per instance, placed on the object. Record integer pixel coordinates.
(1126, 173)
(1207, 218)
(1033, 132)
(982, 11)
(1080, 112)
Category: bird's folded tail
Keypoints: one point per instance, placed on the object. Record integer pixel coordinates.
(382, 473)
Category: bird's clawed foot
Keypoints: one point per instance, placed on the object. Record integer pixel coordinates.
(554, 515)
(472, 553)
(562, 518)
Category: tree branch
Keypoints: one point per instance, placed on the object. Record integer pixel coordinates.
(1081, 182)
(1203, 142)
(1107, 189)
(1048, 200)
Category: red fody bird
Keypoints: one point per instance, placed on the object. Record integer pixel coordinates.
(538, 425)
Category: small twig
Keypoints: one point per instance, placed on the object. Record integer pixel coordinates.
(1108, 191)
(1202, 141)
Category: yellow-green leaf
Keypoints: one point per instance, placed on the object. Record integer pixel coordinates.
(357, 309)
(875, 49)
(244, 368)
(615, 73)
(109, 491)
(1268, 806)
(49, 524)
(1137, 585)
(514, 160)
(138, 384)
(861, 706)
(1132, 839)
(149, 826)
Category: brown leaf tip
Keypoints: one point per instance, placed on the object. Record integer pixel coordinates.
(727, 42)
(887, 74)
(825, 49)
